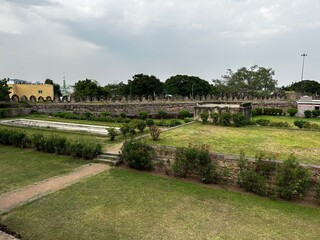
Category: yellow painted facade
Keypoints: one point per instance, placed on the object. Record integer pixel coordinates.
(31, 90)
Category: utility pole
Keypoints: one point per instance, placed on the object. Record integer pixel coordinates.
(303, 56)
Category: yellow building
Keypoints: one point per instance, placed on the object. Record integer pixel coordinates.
(26, 91)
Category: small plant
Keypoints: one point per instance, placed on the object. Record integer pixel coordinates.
(123, 115)
(239, 120)
(299, 123)
(263, 122)
(184, 114)
(141, 125)
(187, 120)
(143, 115)
(174, 123)
(105, 114)
(162, 114)
(112, 133)
(257, 112)
(226, 119)
(293, 181)
(125, 129)
(150, 122)
(292, 112)
(215, 118)
(155, 132)
(137, 154)
(204, 117)
(315, 113)
(307, 114)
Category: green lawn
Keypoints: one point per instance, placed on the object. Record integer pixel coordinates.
(120, 204)
(289, 120)
(252, 139)
(21, 167)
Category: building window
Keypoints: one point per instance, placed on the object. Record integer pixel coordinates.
(39, 91)
(317, 108)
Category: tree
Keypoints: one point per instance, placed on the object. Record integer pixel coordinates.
(184, 85)
(304, 87)
(56, 87)
(115, 90)
(4, 90)
(145, 85)
(87, 88)
(255, 81)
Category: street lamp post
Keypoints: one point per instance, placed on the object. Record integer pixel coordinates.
(303, 56)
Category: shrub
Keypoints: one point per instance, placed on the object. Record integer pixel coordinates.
(154, 132)
(90, 151)
(257, 112)
(162, 114)
(150, 122)
(125, 129)
(123, 115)
(137, 155)
(239, 120)
(299, 123)
(253, 177)
(187, 120)
(184, 114)
(174, 122)
(292, 181)
(87, 115)
(292, 112)
(272, 111)
(226, 119)
(307, 114)
(315, 113)
(204, 117)
(112, 133)
(280, 124)
(215, 118)
(263, 122)
(105, 114)
(195, 161)
(143, 115)
(141, 125)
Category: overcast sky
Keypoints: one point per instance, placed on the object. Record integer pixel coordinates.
(111, 40)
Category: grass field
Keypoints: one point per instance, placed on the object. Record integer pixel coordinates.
(21, 167)
(121, 204)
(252, 139)
(289, 120)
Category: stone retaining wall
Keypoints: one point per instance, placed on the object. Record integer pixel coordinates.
(229, 162)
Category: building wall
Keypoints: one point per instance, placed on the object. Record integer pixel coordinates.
(28, 90)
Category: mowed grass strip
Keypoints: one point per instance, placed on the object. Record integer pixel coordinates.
(121, 204)
(251, 139)
(21, 167)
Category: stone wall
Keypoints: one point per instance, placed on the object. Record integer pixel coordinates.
(229, 162)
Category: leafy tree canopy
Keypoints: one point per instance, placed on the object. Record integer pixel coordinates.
(184, 85)
(255, 80)
(304, 87)
(145, 85)
(4, 90)
(56, 87)
(115, 90)
(87, 88)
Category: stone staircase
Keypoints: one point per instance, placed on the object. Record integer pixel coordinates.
(112, 159)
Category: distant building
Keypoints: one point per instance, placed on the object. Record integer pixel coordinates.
(306, 103)
(22, 90)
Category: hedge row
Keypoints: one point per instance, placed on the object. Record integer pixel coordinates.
(267, 111)
(51, 144)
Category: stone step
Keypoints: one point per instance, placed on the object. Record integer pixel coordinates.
(111, 162)
(104, 156)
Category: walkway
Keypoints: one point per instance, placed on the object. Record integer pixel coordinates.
(29, 193)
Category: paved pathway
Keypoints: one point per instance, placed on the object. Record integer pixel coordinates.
(18, 197)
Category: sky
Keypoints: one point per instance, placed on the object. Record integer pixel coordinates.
(112, 40)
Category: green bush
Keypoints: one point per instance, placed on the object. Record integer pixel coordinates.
(299, 123)
(123, 115)
(137, 155)
(187, 120)
(317, 195)
(143, 115)
(292, 112)
(125, 129)
(257, 112)
(184, 114)
(263, 122)
(4, 113)
(253, 177)
(315, 113)
(195, 161)
(141, 125)
(112, 133)
(215, 118)
(174, 123)
(239, 120)
(279, 124)
(292, 180)
(226, 119)
(162, 114)
(150, 122)
(273, 111)
(105, 114)
(204, 117)
(307, 114)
